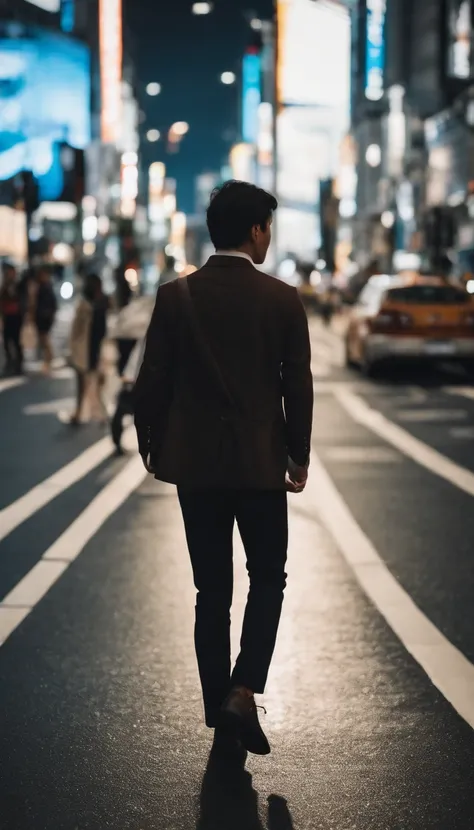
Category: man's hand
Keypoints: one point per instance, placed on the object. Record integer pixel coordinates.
(296, 477)
(148, 464)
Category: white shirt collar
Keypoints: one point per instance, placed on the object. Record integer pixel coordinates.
(235, 253)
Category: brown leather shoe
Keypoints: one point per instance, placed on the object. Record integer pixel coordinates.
(238, 716)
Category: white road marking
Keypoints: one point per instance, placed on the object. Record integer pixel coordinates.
(10, 383)
(34, 585)
(444, 664)
(415, 449)
(430, 415)
(328, 352)
(454, 368)
(57, 374)
(66, 373)
(466, 433)
(320, 370)
(37, 365)
(412, 396)
(50, 407)
(323, 387)
(20, 510)
(361, 455)
(37, 582)
(463, 391)
(322, 351)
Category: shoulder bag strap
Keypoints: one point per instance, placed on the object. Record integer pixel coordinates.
(202, 341)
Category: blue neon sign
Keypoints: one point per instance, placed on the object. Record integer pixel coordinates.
(251, 96)
(44, 102)
(375, 49)
(67, 16)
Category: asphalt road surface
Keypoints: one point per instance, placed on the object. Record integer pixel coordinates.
(370, 699)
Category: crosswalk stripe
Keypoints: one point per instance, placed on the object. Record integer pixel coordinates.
(60, 370)
(462, 391)
(20, 510)
(22, 599)
(448, 669)
(10, 383)
(415, 449)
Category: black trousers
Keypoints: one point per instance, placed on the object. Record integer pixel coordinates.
(125, 348)
(12, 325)
(262, 519)
(124, 407)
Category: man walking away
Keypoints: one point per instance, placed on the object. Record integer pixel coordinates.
(223, 409)
(12, 311)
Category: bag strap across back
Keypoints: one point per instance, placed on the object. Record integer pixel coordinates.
(201, 340)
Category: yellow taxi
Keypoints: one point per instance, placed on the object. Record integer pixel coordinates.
(409, 317)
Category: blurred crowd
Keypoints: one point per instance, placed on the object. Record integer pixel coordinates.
(28, 311)
(26, 303)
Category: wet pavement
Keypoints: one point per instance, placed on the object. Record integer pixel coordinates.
(99, 693)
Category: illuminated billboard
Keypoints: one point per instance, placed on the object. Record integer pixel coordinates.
(242, 162)
(44, 103)
(375, 49)
(313, 82)
(460, 31)
(251, 96)
(313, 54)
(47, 5)
(110, 49)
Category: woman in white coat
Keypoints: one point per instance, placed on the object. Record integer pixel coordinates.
(87, 334)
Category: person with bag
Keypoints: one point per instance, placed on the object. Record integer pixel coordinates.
(12, 312)
(223, 409)
(125, 398)
(132, 322)
(88, 331)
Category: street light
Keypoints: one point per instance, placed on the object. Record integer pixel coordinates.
(373, 155)
(228, 78)
(256, 24)
(153, 135)
(180, 128)
(388, 219)
(153, 89)
(202, 8)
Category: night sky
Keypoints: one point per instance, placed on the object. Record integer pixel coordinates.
(187, 54)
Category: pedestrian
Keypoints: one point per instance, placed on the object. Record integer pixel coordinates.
(44, 315)
(223, 409)
(130, 326)
(88, 331)
(12, 311)
(123, 296)
(125, 399)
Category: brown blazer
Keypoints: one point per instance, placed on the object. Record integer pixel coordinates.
(257, 330)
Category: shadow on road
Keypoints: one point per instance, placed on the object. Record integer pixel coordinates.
(229, 801)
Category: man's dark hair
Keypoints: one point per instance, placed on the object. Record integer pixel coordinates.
(234, 209)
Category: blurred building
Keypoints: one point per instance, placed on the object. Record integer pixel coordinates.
(45, 122)
(69, 150)
(411, 119)
(312, 117)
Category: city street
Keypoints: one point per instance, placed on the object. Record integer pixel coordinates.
(370, 700)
